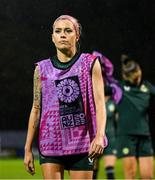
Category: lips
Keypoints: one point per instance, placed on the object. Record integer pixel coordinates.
(63, 42)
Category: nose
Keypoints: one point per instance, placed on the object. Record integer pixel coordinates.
(62, 35)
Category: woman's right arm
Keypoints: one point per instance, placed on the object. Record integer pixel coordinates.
(33, 123)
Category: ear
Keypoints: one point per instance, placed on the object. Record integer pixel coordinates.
(52, 38)
(77, 38)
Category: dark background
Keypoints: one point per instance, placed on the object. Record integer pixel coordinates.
(110, 26)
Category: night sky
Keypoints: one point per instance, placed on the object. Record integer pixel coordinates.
(109, 26)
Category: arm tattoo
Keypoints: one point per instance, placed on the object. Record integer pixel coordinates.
(36, 95)
(35, 125)
(37, 90)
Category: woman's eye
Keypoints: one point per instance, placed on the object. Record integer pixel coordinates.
(68, 30)
(57, 31)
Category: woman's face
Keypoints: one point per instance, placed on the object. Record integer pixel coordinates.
(64, 35)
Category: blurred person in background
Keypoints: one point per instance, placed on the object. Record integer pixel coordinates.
(133, 133)
(110, 152)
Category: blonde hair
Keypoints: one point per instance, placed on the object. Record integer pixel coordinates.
(73, 20)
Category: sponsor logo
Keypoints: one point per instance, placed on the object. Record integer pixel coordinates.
(72, 120)
(68, 90)
(125, 151)
(114, 151)
(111, 108)
(90, 161)
(143, 88)
(126, 88)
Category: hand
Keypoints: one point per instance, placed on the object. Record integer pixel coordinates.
(29, 162)
(96, 147)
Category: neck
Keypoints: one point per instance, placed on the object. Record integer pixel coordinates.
(65, 55)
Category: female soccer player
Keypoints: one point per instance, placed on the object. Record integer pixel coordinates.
(69, 107)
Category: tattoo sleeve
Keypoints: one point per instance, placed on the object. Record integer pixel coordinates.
(36, 96)
(36, 89)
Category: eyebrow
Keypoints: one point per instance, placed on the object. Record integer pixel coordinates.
(63, 28)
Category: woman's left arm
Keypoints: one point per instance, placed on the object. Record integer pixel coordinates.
(97, 145)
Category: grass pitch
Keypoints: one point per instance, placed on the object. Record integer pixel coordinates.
(14, 169)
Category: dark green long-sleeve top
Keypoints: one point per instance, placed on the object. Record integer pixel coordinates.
(133, 108)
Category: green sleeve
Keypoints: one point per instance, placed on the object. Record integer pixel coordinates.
(151, 88)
